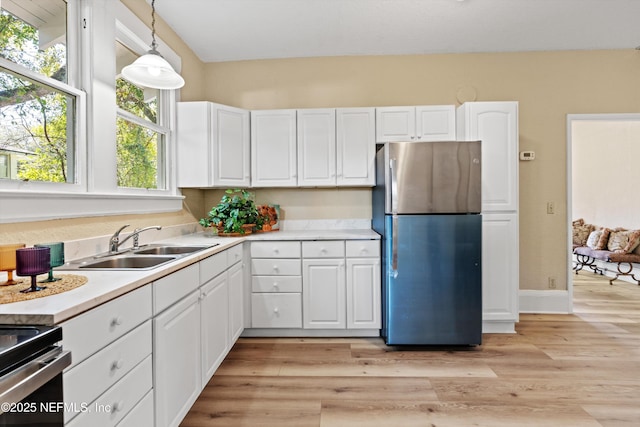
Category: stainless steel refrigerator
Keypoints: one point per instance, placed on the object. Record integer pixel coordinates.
(426, 206)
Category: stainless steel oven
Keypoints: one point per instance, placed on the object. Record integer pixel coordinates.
(31, 365)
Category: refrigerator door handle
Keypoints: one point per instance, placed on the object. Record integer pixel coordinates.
(393, 165)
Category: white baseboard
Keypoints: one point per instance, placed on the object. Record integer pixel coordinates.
(548, 302)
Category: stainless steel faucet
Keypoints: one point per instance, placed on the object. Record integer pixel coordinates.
(115, 242)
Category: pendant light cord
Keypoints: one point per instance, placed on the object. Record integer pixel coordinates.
(154, 45)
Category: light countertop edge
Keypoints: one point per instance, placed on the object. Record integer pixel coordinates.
(105, 285)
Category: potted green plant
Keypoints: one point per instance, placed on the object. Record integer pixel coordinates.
(236, 213)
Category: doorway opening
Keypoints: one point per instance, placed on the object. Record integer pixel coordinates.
(602, 153)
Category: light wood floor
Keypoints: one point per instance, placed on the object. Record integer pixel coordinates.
(558, 370)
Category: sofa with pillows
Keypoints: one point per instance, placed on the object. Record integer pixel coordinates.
(614, 245)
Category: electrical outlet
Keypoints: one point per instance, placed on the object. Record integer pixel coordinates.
(551, 208)
(552, 282)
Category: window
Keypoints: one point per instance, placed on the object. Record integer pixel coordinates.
(140, 136)
(38, 110)
(106, 151)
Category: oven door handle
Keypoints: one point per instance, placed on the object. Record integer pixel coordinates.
(28, 378)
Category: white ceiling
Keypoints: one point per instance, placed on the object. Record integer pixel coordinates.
(230, 30)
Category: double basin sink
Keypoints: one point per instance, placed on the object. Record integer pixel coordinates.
(144, 258)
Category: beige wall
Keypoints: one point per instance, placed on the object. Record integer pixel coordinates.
(548, 86)
(604, 168)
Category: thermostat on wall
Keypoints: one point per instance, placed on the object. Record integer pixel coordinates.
(527, 155)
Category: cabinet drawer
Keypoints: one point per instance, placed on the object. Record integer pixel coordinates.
(88, 380)
(212, 266)
(234, 254)
(275, 267)
(363, 248)
(323, 249)
(141, 415)
(89, 332)
(276, 310)
(171, 288)
(112, 406)
(276, 284)
(275, 249)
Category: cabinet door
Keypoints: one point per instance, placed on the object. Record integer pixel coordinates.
(500, 270)
(194, 144)
(436, 123)
(316, 147)
(236, 302)
(356, 146)
(395, 124)
(273, 148)
(363, 293)
(214, 315)
(176, 360)
(230, 128)
(323, 294)
(496, 125)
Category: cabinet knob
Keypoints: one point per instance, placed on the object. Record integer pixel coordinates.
(275, 285)
(116, 364)
(276, 251)
(116, 321)
(275, 267)
(323, 251)
(276, 310)
(117, 406)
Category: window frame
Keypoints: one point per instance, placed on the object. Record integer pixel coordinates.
(93, 193)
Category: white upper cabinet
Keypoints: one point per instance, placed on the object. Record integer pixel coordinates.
(316, 147)
(495, 124)
(273, 148)
(213, 145)
(422, 123)
(356, 146)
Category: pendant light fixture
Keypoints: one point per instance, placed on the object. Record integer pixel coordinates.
(151, 69)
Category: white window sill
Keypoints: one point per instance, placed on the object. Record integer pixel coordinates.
(20, 206)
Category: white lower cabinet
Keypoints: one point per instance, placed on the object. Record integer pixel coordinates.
(142, 359)
(176, 354)
(236, 301)
(281, 310)
(323, 294)
(214, 322)
(120, 400)
(107, 344)
(193, 335)
(363, 293)
(339, 288)
(500, 306)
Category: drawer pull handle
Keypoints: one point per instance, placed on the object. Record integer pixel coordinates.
(275, 267)
(276, 310)
(323, 250)
(116, 364)
(116, 321)
(275, 286)
(276, 251)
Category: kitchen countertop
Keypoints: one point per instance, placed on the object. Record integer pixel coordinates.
(105, 285)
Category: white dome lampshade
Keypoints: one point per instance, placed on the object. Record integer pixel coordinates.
(152, 70)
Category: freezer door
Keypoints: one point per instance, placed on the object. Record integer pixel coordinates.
(435, 295)
(433, 177)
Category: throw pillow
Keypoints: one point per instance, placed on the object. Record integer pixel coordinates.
(618, 240)
(634, 241)
(581, 233)
(593, 239)
(604, 239)
(578, 221)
